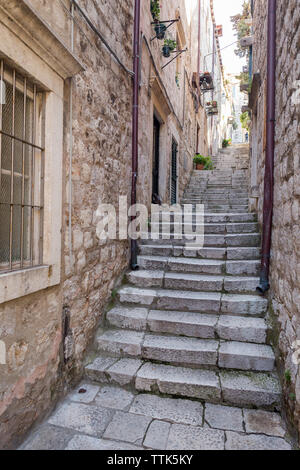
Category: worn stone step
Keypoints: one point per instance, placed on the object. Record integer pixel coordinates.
(187, 350)
(245, 267)
(181, 264)
(193, 282)
(246, 356)
(202, 302)
(216, 218)
(244, 389)
(207, 228)
(216, 240)
(159, 321)
(176, 280)
(238, 388)
(232, 254)
(241, 329)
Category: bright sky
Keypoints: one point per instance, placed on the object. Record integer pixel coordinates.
(224, 9)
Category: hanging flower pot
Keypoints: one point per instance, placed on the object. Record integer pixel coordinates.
(160, 30)
(169, 46)
(166, 51)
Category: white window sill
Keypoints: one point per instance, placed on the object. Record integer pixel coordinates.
(27, 281)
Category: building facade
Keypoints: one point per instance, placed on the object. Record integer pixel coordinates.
(284, 294)
(66, 127)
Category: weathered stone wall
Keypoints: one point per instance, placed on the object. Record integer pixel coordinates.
(35, 327)
(285, 259)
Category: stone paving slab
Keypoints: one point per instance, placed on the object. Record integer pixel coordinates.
(114, 398)
(224, 417)
(169, 409)
(259, 421)
(85, 393)
(236, 441)
(183, 437)
(48, 437)
(80, 442)
(91, 420)
(128, 427)
(157, 435)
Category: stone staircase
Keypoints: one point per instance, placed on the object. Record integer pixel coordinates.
(189, 323)
(233, 158)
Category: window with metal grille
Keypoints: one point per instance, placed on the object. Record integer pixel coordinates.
(21, 171)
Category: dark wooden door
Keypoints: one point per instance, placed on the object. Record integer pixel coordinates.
(155, 166)
(174, 172)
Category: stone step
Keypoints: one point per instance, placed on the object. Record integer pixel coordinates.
(218, 200)
(215, 240)
(181, 264)
(187, 351)
(243, 389)
(209, 228)
(202, 266)
(213, 218)
(241, 329)
(204, 253)
(193, 282)
(202, 302)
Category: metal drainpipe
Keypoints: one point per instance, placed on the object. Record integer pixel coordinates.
(135, 118)
(199, 37)
(264, 285)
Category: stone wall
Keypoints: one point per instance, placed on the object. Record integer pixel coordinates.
(37, 328)
(285, 259)
(33, 327)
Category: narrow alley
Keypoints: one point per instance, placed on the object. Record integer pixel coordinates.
(188, 324)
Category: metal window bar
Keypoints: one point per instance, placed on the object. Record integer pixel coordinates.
(22, 241)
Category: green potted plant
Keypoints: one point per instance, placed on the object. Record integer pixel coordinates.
(209, 164)
(168, 47)
(200, 161)
(155, 9)
(226, 143)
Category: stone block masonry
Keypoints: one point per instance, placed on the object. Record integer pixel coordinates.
(284, 294)
(47, 334)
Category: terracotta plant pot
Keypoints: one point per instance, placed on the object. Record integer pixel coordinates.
(199, 166)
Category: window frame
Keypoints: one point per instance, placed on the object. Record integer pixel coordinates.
(34, 145)
(21, 52)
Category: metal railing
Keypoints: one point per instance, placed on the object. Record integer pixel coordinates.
(21, 172)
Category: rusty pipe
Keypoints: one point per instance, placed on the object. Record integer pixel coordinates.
(264, 285)
(135, 118)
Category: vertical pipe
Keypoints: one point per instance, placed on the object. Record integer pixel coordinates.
(264, 285)
(12, 172)
(42, 187)
(135, 117)
(23, 174)
(199, 38)
(32, 179)
(1, 112)
(71, 141)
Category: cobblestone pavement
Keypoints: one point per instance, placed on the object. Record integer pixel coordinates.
(106, 417)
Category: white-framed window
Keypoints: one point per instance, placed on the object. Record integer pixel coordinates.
(21, 171)
(34, 67)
